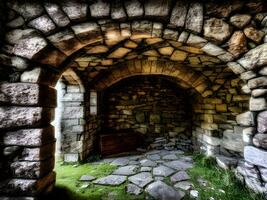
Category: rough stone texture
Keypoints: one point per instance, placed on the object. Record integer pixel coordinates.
(28, 187)
(157, 8)
(160, 190)
(32, 170)
(133, 189)
(178, 15)
(29, 137)
(260, 140)
(179, 165)
(162, 171)
(257, 104)
(257, 82)
(76, 11)
(24, 116)
(255, 156)
(246, 119)
(134, 8)
(226, 162)
(240, 20)
(43, 23)
(56, 14)
(27, 94)
(194, 19)
(237, 43)
(262, 122)
(217, 30)
(254, 34)
(100, 9)
(111, 180)
(148, 163)
(255, 58)
(126, 170)
(179, 176)
(141, 179)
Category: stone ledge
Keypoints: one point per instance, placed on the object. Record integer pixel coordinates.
(255, 156)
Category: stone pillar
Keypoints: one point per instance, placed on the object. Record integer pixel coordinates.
(254, 169)
(27, 139)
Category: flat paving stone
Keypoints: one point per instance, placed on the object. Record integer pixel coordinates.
(111, 180)
(153, 157)
(161, 191)
(184, 185)
(126, 170)
(170, 157)
(133, 189)
(158, 178)
(120, 161)
(180, 176)
(152, 152)
(133, 162)
(87, 178)
(145, 169)
(141, 179)
(162, 171)
(179, 165)
(186, 158)
(148, 163)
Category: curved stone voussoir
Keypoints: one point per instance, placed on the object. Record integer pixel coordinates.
(16, 117)
(43, 24)
(134, 9)
(100, 9)
(117, 11)
(76, 10)
(178, 15)
(157, 9)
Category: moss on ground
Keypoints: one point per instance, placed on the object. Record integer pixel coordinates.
(222, 184)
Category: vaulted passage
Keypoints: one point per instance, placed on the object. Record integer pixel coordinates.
(120, 75)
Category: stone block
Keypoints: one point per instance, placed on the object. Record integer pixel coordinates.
(246, 119)
(262, 122)
(260, 140)
(117, 11)
(73, 112)
(71, 157)
(73, 97)
(15, 117)
(27, 94)
(257, 104)
(29, 137)
(29, 187)
(55, 12)
(32, 169)
(233, 141)
(257, 82)
(37, 154)
(178, 15)
(100, 9)
(75, 10)
(157, 8)
(194, 19)
(134, 8)
(43, 24)
(256, 156)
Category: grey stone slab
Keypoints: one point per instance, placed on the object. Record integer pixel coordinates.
(126, 170)
(111, 180)
(148, 163)
(180, 176)
(255, 156)
(179, 165)
(153, 157)
(162, 191)
(133, 189)
(162, 171)
(87, 178)
(145, 169)
(120, 161)
(170, 157)
(141, 179)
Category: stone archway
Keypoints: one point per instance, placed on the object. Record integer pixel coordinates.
(43, 39)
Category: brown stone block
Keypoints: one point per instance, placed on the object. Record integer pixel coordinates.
(29, 187)
(29, 137)
(32, 169)
(27, 94)
(15, 117)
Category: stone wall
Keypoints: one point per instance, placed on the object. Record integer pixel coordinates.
(98, 37)
(151, 106)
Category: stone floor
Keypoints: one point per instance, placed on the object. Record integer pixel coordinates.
(160, 173)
